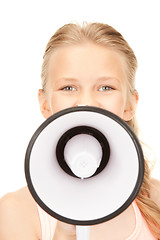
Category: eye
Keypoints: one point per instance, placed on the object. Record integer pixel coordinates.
(105, 88)
(69, 88)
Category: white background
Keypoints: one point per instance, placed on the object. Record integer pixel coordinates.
(25, 28)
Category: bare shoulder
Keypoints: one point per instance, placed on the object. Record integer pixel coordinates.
(18, 213)
(155, 191)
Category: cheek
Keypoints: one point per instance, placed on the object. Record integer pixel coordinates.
(59, 103)
(116, 106)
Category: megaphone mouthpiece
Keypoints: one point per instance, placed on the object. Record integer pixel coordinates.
(83, 154)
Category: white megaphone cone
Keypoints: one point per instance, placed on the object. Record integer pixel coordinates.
(74, 161)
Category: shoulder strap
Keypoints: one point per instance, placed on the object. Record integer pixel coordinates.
(48, 224)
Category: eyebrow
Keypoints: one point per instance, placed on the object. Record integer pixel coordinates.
(68, 79)
(108, 79)
(64, 80)
(71, 80)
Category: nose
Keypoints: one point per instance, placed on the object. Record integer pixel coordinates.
(87, 99)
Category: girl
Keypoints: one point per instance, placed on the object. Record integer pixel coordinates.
(90, 65)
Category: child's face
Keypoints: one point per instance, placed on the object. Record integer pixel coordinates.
(87, 74)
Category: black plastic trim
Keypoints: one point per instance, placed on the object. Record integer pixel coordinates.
(82, 130)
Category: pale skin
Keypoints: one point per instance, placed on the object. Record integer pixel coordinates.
(84, 74)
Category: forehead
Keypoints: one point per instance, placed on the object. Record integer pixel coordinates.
(87, 59)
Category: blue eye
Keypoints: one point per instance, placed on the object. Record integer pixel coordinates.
(105, 88)
(69, 88)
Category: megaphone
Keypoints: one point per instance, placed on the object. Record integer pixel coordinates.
(84, 165)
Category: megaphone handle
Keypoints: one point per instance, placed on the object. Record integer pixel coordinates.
(82, 232)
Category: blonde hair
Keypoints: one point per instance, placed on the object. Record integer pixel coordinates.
(105, 35)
